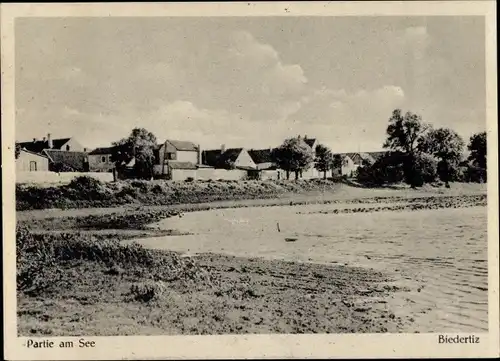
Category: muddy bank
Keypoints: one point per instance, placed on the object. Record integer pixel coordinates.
(140, 292)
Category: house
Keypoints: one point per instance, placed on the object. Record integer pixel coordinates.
(311, 172)
(100, 160)
(232, 158)
(66, 161)
(31, 162)
(65, 144)
(175, 151)
(350, 162)
(263, 158)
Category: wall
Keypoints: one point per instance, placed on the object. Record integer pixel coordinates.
(187, 156)
(244, 160)
(216, 174)
(96, 164)
(183, 174)
(348, 167)
(311, 173)
(58, 178)
(271, 174)
(23, 162)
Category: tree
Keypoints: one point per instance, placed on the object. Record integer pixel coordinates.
(404, 134)
(477, 148)
(387, 169)
(324, 159)
(294, 155)
(17, 150)
(139, 146)
(447, 146)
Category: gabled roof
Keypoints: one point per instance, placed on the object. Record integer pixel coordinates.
(309, 141)
(181, 165)
(218, 159)
(261, 155)
(103, 150)
(74, 160)
(33, 153)
(210, 157)
(229, 155)
(39, 145)
(183, 145)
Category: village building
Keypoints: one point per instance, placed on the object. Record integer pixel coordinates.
(232, 158)
(175, 155)
(28, 161)
(100, 160)
(65, 144)
(350, 162)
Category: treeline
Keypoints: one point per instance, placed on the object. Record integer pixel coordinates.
(417, 153)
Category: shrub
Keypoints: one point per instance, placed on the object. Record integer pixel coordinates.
(147, 291)
(85, 183)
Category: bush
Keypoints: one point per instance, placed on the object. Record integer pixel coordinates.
(147, 291)
(85, 183)
(386, 170)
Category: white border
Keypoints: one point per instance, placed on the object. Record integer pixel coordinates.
(251, 346)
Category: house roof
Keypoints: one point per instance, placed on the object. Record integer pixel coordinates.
(181, 165)
(74, 160)
(183, 145)
(103, 150)
(37, 154)
(358, 158)
(309, 141)
(261, 155)
(211, 157)
(229, 155)
(38, 146)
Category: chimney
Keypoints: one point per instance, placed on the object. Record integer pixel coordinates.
(222, 148)
(49, 140)
(43, 139)
(305, 136)
(34, 140)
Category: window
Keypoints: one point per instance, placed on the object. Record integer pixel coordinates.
(32, 166)
(171, 156)
(67, 147)
(103, 159)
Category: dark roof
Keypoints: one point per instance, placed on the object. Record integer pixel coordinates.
(39, 145)
(229, 155)
(181, 165)
(183, 145)
(103, 150)
(309, 141)
(74, 160)
(217, 159)
(261, 155)
(210, 157)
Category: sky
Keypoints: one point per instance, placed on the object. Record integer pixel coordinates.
(247, 81)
